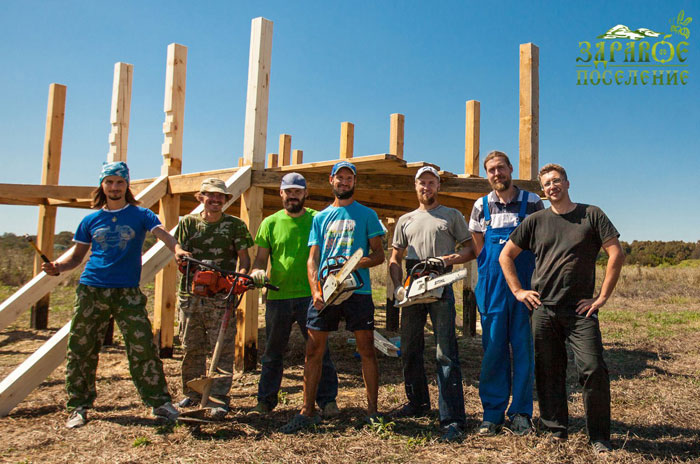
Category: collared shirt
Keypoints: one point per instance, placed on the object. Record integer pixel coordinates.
(502, 215)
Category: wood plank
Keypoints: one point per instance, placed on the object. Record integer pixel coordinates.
(396, 134)
(297, 157)
(165, 299)
(285, 149)
(471, 138)
(384, 160)
(272, 160)
(36, 193)
(255, 131)
(347, 139)
(51, 165)
(529, 129)
(120, 114)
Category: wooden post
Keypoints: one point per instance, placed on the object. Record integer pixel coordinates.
(169, 205)
(396, 135)
(121, 108)
(469, 299)
(529, 111)
(241, 161)
(347, 139)
(285, 149)
(297, 156)
(254, 142)
(272, 160)
(53, 140)
(392, 312)
(471, 138)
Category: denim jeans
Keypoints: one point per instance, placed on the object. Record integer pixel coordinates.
(280, 315)
(449, 373)
(552, 326)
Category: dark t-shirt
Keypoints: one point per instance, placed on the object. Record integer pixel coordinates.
(566, 247)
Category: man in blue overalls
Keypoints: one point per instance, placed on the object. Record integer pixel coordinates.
(505, 323)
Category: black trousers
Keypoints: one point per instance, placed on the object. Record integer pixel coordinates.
(552, 326)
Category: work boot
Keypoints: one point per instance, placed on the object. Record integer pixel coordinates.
(489, 429)
(330, 410)
(261, 408)
(77, 418)
(520, 425)
(409, 410)
(166, 411)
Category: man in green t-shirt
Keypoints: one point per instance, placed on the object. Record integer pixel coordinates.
(283, 238)
(223, 240)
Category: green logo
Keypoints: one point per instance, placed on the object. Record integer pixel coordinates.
(647, 59)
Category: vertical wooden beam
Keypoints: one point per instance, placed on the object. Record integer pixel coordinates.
(51, 164)
(285, 150)
(254, 142)
(297, 156)
(241, 161)
(471, 138)
(529, 111)
(272, 160)
(121, 109)
(396, 135)
(469, 299)
(392, 311)
(169, 212)
(347, 139)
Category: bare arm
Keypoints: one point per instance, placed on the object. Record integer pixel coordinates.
(477, 242)
(507, 261)
(464, 254)
(72, 261)
(261, 258)
(616, 257)
(395, 266)
(170, 242)
(243, 261)
(312, 273)
(376, 256)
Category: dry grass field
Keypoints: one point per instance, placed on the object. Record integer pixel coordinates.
(651, 330)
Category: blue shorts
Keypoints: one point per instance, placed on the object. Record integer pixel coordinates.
(358, 311)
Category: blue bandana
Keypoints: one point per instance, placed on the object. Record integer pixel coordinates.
(118, 168)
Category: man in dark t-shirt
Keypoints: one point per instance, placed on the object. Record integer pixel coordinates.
(566, 239)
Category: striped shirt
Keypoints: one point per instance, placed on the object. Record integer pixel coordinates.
(502, 215)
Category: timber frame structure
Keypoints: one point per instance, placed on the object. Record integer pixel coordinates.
(384, 183)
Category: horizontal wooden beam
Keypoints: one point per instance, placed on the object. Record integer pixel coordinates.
(44, 192)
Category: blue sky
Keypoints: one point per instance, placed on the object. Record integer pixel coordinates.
(632, 150)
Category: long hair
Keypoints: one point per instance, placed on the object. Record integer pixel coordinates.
(99, 198)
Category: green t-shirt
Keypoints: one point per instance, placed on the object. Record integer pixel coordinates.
(216, 241)
(287, 239)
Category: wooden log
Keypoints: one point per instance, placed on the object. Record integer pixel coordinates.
(272, 160)
(120, 114)
(347, 139)
(285, 150)
(396, 135)
(297, 157)
(51, 164)
(471, 138)
(529, 138)
(255, 131)
(164, 301)
(254, 142)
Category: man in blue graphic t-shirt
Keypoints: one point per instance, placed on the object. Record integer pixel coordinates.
(109, 286)
(339, 230)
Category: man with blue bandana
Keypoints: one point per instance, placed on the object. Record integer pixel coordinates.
(109, 286)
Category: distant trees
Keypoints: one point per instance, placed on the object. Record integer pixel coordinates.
(655, 253)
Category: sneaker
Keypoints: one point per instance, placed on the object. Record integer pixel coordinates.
(188, 402)
(453, 433)
(166, 411)
(77, 418)
(489, 429)
(300, 422)
(261, 408)
(520, 425)
(219, 413)
(409, 410)
(601, 446)
(330, 410)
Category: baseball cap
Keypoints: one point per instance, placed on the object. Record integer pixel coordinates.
(214, 185)
(428, 169)
(343, 164)
(293, 180)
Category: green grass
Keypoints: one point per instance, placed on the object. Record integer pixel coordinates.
(656, 324)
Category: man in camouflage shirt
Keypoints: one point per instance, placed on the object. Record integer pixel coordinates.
(223, 240)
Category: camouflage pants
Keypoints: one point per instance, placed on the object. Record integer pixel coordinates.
(201, 321)
(93, 306)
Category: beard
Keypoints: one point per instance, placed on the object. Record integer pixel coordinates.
(344, 195)
(500, 186)
(293, 205)
(115, 196)
(426, 200)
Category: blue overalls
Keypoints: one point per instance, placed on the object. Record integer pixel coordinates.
(504, 321)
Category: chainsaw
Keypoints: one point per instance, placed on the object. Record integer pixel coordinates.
(204, 278)
(426, 281)
(338, 279)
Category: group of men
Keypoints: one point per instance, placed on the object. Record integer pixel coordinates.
(509, 233)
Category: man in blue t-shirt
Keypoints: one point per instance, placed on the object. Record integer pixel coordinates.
(339, 230)
(109, 286)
